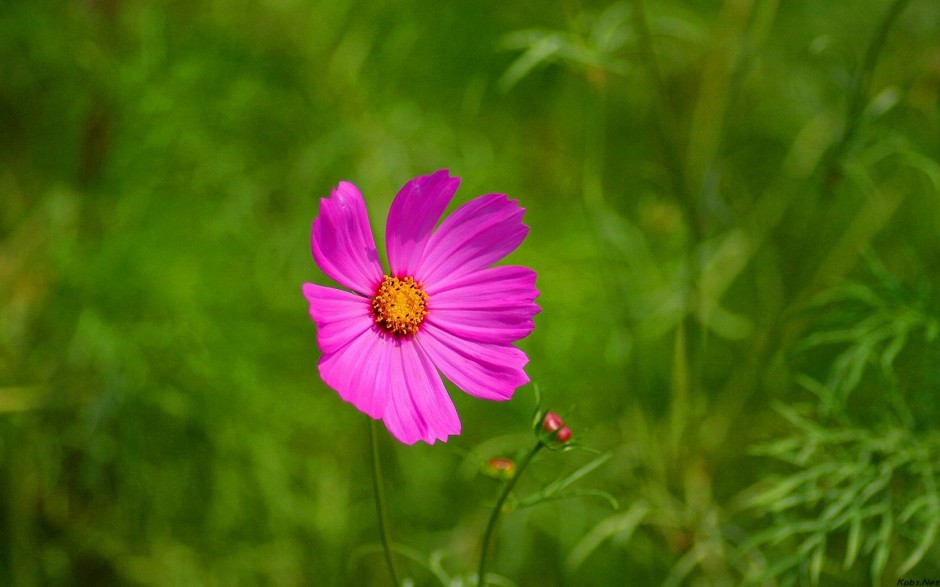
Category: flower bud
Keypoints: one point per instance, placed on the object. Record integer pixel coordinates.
(553, 432)
(551, 422)
(501, 468)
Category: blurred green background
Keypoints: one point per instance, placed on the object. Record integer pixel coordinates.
(734, 216)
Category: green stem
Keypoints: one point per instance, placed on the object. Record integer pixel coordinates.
(665, 123)
(863, 81)
(380, 509)
(497, 510)
(856, 104)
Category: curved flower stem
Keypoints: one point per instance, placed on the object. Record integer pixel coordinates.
(380, 509)
(497, 510)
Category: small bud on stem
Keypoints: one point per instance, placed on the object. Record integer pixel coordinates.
(553, 432)
(501, 468)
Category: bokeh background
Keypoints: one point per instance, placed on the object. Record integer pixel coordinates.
(734, 216)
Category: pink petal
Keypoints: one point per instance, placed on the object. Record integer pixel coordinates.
(392, 379)
(414, 212)
(493, 305)
(361, 371)
(476, 235)
(342, 241)
(503, 285)
(340, 315)
(418, 405)
(486, 371)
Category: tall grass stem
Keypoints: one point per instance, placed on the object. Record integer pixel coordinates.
(861, 87)
(665, 123)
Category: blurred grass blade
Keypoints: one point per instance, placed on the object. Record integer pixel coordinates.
(622, 526)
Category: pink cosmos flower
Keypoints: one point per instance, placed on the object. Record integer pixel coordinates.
(440, 309)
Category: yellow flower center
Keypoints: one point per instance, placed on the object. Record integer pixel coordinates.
(399, 305)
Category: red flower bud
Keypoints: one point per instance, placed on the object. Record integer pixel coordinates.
(552, 422)
(553, 432)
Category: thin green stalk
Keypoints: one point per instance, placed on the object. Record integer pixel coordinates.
(666, 127)
(857, 100)
(380, 509)
(856, 104)
(665, 123)
(497, 510)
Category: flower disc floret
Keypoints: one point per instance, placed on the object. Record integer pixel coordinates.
(399, 305)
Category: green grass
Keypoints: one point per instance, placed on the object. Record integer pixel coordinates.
(734, 217)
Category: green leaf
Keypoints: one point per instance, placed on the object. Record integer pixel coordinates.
(930, 535)
(621, 525)
(537, 499)
(882, 543)
(542, 48)
(566, 481)
(852, 542)
(816, 561)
